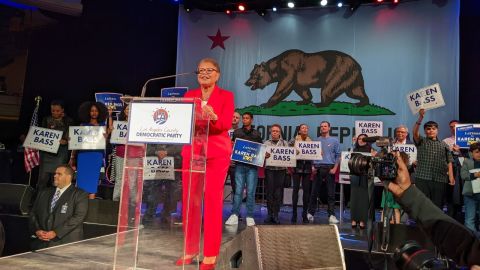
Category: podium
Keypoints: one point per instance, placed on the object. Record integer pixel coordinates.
(166, 146)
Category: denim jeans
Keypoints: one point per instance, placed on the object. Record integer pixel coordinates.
(245, 175)
(472, 206)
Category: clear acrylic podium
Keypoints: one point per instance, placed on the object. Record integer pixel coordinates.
(179, 182)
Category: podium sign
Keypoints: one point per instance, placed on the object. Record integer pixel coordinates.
(160, 122)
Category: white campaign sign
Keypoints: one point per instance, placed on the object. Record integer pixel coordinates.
(155, 169)
(309, 150)
(409, 149)
(371, 128)
(86, 137)
(281, 156)
(427, 98)
(160, 123)
(119, 132)
(43, 139)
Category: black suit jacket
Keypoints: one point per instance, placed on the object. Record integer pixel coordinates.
(66, 219)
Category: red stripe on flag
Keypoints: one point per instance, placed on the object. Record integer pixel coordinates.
(31, 159)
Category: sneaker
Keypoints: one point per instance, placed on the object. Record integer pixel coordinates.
(250, 221)
(333, 219)
(232, 220)
(310, 217)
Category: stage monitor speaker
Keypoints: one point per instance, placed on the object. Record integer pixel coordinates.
(269, 247)
(15, 198)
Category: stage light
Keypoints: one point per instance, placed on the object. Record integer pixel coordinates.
(291, 4)
(274, 9)
(241, 7)
(323, 3)
(395, 1)
(379, 1)
(228, 11)
(340, 4)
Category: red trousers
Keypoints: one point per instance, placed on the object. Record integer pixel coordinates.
(212, 192)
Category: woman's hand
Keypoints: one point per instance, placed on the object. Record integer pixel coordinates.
(208, 111)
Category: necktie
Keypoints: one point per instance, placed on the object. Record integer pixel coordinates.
(54, 200)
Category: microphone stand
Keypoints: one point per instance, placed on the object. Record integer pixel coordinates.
(144, 88)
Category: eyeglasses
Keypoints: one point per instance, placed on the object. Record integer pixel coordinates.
(206, 70)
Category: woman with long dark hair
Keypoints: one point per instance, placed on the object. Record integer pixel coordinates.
(89, 162)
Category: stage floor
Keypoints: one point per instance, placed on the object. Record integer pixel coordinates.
(160, 244)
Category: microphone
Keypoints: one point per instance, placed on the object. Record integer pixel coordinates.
(144, 88)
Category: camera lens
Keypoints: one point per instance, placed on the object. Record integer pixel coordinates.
(359, 164)
(411, 256)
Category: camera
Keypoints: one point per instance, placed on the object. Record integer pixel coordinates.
(383, 165)
(411, 256)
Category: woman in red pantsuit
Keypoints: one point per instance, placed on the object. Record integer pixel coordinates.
(218, 105)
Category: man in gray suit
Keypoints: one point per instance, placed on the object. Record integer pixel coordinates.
(58, 213)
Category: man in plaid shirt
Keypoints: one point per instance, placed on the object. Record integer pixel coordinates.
(434, 162)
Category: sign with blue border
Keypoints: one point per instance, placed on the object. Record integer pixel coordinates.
(176, 92)
(110, 100)
(466, 134)
(249, 152)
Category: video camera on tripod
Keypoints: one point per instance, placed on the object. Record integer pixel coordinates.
(383, 165)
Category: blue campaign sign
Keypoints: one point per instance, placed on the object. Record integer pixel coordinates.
(173, 92)
(466, 134)
(110, 99)
(249, 152)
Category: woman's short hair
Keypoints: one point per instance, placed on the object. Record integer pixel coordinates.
(211, 61)
(84, 111)
(474, 146)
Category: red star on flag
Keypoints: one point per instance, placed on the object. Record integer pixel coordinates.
(218, 40)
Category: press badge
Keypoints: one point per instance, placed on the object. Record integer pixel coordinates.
(64, 208)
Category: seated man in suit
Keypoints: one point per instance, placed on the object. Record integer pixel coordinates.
(58, 213)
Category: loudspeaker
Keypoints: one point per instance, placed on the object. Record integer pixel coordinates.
(15, 198)
(268, 247)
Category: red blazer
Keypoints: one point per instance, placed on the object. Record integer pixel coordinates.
(219, 143)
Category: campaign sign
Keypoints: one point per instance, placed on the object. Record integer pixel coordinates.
(86, 137)
(248, 152)
(160, 122)
(155, 169)
(466, 134)
(110, 100)
(281, 156)
(371, 128)
(43, 139)
(119, 132)
(427, 98)
(309, 150)
(409, 149)
(177, 92)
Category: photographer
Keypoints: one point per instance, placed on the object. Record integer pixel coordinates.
(450, 237)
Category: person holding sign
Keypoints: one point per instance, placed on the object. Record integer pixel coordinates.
(274, 178)
(301, 174)
(326, 169)
(470, 175)
(246, 175)
(218, 106)
(89, 162)
(434, 162)
(49, 161)
(359, 188)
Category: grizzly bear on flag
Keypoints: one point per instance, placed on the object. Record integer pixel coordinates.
(333, 71)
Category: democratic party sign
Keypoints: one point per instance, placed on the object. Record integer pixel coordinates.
(427, 98)
(160, 122)
(466, 134)
(159, 169)
(248, 152)
(43, 139)
(119, 132)
(409, 149)
(281, 156)
(86, 137)
(309, 150)
(110, 100)
(177, 92)
(370, 128)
